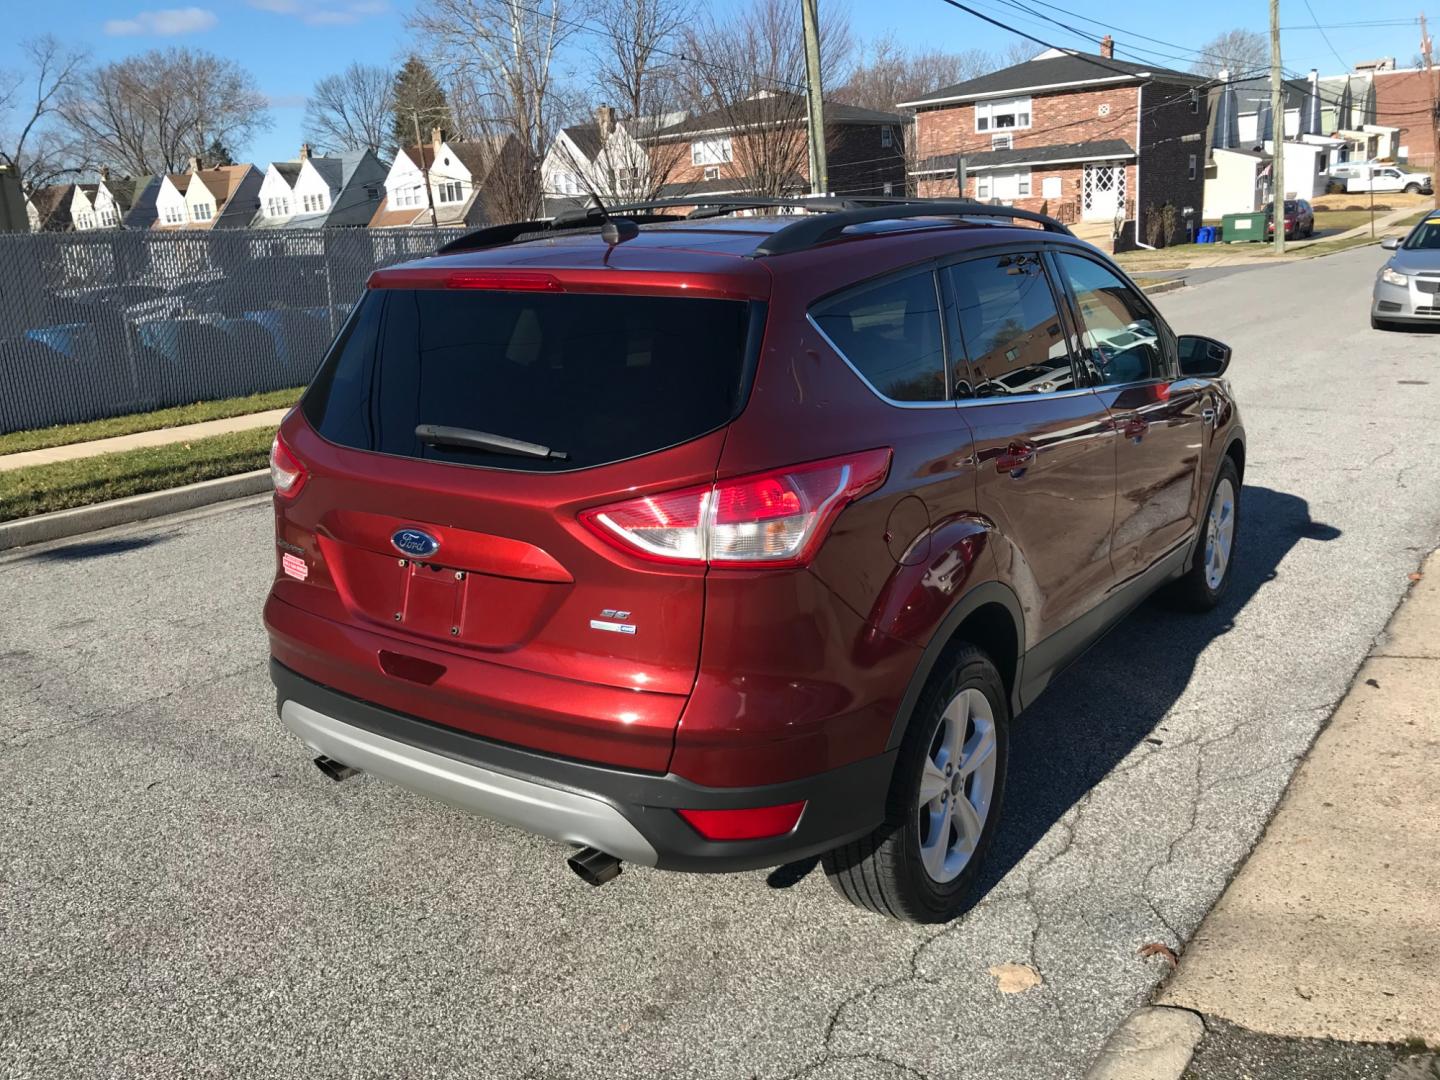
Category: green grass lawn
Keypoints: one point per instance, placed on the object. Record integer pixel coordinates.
(65, 434)
(40, 489)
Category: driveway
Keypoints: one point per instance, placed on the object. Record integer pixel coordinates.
(183, 895)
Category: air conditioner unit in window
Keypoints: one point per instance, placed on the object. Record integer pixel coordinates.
(1001, 142)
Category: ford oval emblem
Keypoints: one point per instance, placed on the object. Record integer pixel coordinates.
(415, 542)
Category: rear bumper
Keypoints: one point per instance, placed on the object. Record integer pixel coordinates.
(630, 815)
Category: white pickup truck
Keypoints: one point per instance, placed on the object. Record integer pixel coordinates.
(1367, 176)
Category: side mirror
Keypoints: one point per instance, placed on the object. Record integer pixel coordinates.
(1390, 243)
(1203, 357)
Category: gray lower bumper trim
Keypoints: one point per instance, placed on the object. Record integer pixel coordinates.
(559, 814)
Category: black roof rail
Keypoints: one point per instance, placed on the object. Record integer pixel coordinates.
(829, 216)
(808, 232)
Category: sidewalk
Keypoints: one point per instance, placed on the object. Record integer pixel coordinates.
(1331, 929)
(158, 437)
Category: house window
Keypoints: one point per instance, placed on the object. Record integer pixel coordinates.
(277, 206)
(1003, 185)
(175, 214)
(712, 173)
(887, 137)
(630, 175)
(109, 216)
(408, 196)
(1002, 113)
(711, 151)
(87, 221)
(1194, 161)
(889, 188)
(450, 191)
(202, 211)
(313, 204)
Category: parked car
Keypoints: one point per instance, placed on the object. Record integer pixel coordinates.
(1299, 218)
(1380, 178)
(1407, 287)
(715, 545)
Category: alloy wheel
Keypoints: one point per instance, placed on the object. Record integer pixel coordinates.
(1219, 534)
(957, 786)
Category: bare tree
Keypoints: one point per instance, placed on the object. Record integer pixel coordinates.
(353, 110)
(1236, 51)
(638, 69)
(749, 69)
(888, 73)
(152, 112)
(502, 53)
(32, 142)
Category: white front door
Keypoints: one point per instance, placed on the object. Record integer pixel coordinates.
(1104, 192)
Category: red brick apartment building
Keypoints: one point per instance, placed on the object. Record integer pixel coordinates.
(1082, 137)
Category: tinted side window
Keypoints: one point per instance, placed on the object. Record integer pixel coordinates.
(1119, 339)
(1009, 328)
(890, 332)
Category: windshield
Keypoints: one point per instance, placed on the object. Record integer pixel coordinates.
(1424, 237)
(595, 378)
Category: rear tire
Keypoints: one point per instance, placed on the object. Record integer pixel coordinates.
(1208, 577)
(920, 865)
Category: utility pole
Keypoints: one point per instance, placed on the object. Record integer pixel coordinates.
(815, 105)
(425, 171)
(1277, 130)
(1426, 51)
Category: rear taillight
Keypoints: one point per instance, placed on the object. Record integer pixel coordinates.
(286, 471)
(772, 519)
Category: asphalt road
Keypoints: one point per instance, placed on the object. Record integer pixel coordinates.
(183, 895)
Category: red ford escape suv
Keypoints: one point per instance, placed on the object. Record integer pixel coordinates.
(716, 544)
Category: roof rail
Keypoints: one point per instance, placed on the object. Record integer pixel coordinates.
(829, 217)
(808, 232)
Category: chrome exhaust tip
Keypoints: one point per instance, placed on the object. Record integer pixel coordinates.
(594, 867)
(334, 769)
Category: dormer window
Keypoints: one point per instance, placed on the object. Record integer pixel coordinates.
(202, 211)
(175, 214)
(1002, 113)
(277, 206)
(313, 204)
(450, 191)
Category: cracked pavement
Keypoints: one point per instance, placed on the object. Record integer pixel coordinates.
(183, 895)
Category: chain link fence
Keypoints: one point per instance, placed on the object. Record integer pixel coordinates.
(97, 324)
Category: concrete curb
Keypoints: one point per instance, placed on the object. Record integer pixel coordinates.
(1168, 285)
(83, 519)
(1153, 1043)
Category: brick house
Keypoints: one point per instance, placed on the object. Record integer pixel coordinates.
(759, 146)
(1086, 138)
(1402, 101)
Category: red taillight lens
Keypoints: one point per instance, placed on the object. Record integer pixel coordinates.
(286, 471)
(751, 823)
(480, 279)
(775, 519)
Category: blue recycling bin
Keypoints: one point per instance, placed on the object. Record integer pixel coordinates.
(1206, 235)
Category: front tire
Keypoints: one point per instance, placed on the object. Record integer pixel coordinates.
(1412, 189)
(1206, 580)
(920, 865)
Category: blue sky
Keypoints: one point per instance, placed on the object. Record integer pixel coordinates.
(288, 44)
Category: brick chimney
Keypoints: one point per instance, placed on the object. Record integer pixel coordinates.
(194, 165)
(304, 151)
(605, 119)
(1107, 47)
(437, 136)
(104, 173)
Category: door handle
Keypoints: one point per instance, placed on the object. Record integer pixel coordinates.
(1015, 458)
(1130, 425)
(1207, 415)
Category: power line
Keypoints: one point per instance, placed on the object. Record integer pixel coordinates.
(1324, 36)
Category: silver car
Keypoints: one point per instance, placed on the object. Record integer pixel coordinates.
(1407, 288)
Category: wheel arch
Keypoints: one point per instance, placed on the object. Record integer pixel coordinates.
(989, 616)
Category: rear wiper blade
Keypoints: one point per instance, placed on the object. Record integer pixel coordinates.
(469, 439)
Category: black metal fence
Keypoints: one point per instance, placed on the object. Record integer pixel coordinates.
(104, 323)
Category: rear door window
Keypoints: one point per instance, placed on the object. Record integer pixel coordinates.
(890, 333)
(1012, 336)
(598, 378)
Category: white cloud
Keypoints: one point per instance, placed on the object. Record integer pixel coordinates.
(163, 23)
(324, 12)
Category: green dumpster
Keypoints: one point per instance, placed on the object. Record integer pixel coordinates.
(1245, 227)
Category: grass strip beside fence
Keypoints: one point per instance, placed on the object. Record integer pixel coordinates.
(40, 489)
(65, 434)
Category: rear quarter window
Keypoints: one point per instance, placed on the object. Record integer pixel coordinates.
(890, 333)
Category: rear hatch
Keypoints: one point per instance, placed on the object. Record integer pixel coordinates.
(480, 598)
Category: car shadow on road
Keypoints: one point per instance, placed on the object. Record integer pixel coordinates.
(1117, 694)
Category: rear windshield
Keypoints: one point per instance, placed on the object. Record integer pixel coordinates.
(595, 378)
